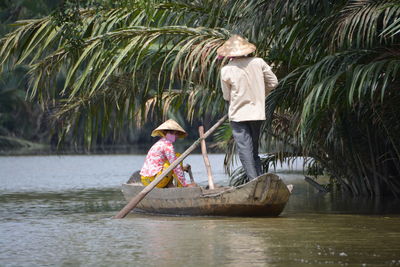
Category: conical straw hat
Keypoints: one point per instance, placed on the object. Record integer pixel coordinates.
(169, 125)
(236, 46)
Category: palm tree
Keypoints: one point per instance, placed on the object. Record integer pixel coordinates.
(133, 60)
(20, 120)
(344, 99)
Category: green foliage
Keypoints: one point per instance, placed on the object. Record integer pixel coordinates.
(20, 120)
(340, 102)
(133, 61)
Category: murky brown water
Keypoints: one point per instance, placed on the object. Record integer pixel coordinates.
(57, 211)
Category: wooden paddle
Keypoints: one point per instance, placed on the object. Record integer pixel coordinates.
(134, 201)
(205, 158)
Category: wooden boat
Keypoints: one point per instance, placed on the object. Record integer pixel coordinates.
(266, 195)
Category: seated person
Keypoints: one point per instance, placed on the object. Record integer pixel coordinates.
(162, 154)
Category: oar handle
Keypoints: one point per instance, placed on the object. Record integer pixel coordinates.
(134, 201)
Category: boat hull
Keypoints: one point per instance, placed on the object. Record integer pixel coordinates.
(264, 196)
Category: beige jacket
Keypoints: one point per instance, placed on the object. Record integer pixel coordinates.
(245, 83)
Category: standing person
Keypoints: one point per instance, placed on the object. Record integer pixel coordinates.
(245, 82)
(162, 154)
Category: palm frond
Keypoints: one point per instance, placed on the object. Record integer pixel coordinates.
(361, 22)
(129, 60)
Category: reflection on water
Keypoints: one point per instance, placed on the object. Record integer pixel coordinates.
(37, 204)
(54, 214)
(305, 198)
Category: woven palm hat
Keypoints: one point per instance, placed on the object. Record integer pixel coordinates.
(236, 46)
(169, 125)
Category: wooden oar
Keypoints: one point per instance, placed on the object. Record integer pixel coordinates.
(205, 158)
(134, 201)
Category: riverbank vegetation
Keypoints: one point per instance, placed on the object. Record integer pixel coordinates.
(26, 125)
(100, 67)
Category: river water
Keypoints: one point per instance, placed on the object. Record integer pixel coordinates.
(56, 211)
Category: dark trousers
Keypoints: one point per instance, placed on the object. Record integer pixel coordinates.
(247, 135)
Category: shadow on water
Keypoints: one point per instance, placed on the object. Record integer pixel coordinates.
(306, 199)
(73, 227)
(56, 211)
(36, 204)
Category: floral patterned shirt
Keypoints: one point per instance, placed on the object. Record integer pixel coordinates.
(159, 153)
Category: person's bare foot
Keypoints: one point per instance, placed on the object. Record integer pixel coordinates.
(290, 188)
(192, 185)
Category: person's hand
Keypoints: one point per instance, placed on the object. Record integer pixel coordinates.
(187, 168)
(192, 185)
